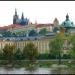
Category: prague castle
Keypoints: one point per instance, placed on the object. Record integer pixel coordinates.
(22, 32)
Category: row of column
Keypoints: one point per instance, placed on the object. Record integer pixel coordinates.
(42, 45)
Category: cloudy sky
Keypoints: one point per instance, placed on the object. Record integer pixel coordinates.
(42, 11)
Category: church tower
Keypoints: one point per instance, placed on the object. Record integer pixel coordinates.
(56, 22)
(22, 17)
(15, 18)
(55, 25)
(22, 20)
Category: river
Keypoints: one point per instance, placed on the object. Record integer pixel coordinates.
(37, 71)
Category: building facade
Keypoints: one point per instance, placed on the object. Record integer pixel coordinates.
(42, 44)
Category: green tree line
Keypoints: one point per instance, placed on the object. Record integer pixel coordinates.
(30, 51)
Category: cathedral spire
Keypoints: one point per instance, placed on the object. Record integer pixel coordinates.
(22, 17)
(15, 11)
(15, 17)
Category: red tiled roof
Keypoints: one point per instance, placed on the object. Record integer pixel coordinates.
(19, 26)
(11, 26)
(41, 25)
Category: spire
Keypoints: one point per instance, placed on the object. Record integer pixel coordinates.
(56, 22)
(67, 17)
(15, 17)
(15, 11)
(55, 19)
(22, 17)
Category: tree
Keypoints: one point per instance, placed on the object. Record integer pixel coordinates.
(56, 46)
(33, 33)
(6, 33)
(43, 31)
(72, 49)
(55, 29)
(8, 52)
(30, 51)
(1, 54)
(18, 54)
(14, 34)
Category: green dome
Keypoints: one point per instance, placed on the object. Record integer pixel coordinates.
(67, 22)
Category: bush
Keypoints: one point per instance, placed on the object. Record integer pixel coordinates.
(49, 56)
(66, 56)
(43, 56)
(30, 52)
(18, 55)
(1, 55)
(52, 56)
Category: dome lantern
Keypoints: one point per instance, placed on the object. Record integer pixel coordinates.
(67, 17)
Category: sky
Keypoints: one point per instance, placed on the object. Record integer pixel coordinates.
(40, 11)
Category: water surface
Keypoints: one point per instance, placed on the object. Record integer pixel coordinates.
(37, 71)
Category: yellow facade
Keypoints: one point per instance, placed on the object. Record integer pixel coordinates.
(42, 44)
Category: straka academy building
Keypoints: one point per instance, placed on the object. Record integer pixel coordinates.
(40, 41)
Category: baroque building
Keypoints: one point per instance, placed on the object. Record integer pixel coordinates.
(55, 25)
(68, 25)
(56, 22)
(67, 22)
(42, 44)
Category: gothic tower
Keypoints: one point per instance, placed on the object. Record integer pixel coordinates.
(22, 17)
(15, 18)
(22, 21)
(56, 22)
